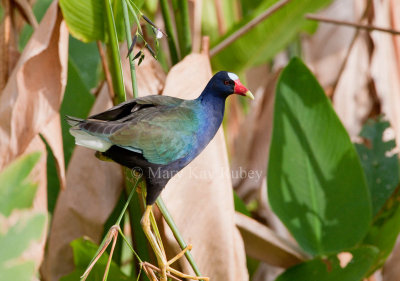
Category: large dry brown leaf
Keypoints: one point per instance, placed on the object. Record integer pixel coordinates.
(93, 186)
(34, 252)
(352, 101)
(33, 94)
(326, 51)
(266, 272)
(265, 245)
(391, 270)
(200, 197)
(149, 75)
(53, 136)
(5, 42)
(30, 102)
(25, 8)
(252, 143)
(38, 175)
(385, 62)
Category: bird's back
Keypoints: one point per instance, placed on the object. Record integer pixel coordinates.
(163, 129)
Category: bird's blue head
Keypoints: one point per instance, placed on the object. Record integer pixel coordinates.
(225, 83)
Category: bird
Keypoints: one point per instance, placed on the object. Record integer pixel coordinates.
(158, 136)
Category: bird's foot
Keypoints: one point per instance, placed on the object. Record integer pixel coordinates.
(186, 276)
(173, 274)
(150, 270)
(164, 266)
(181, 274)
(178, 256)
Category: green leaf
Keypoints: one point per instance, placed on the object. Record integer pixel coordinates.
(86, 58)
(16, 191)
(229, 11)
(209, 23)
(249, 7)
(329, 269)
(385, 230)
(16, 235)
(77, 102)
(83, 75)
(20, 271)
(53, 182)
(39, 9)
(382, 171)
(240, 206)
(84, 251)
(316, 185)
(85, 19)
(209, 18)
(269, 37)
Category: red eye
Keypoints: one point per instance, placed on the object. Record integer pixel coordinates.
(226, 82)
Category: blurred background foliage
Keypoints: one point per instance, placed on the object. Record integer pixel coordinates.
(322, 134)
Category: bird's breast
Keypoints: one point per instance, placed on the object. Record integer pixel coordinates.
(208, 127)
(208, 122)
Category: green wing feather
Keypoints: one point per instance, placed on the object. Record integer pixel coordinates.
(163, 133)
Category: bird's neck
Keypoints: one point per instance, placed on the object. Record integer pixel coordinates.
(210, 112)
(214, 105)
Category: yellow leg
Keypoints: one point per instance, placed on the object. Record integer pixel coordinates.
(178, 256)
(161, 259)
(183, 275)
(156, 233)
(149, 269)
(163, 264)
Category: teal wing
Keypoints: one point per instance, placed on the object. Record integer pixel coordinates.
(163, 134)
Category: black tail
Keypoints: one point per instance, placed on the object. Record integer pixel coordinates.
(72, 121)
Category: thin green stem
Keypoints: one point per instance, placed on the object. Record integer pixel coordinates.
(168, 218)
(183, 26)
(135, 213)
(129, 43)
(165, 11)
(116, 71)
(127, 202)
(135, 16)
(136, 7)
(129, 245)
(114, 55)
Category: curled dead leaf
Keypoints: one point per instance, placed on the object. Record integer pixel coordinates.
(30, 102)
(30, 99)
(93, 188)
